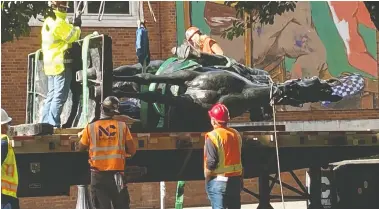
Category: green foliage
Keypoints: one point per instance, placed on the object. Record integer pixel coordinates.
(15, 16)
(262, 12)
(373, 9)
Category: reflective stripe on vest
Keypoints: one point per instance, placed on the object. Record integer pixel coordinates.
(9, 173)
(72, 33)
(105, 157)
(8, 186)
(94, 148)
(222, 168)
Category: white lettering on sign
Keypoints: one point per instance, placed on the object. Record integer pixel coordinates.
(325, 194)
(325, 203)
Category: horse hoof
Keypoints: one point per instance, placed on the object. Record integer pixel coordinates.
(334, 81)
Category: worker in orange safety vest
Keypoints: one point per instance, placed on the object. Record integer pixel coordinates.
(223, 169)
(108, 141)
(202, 42)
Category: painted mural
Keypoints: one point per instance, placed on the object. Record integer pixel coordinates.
(325, 39)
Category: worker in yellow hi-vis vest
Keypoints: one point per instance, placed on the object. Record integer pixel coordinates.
(9, 174)
(57, 37)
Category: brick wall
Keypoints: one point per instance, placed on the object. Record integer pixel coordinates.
(14, 55)
(319, 115)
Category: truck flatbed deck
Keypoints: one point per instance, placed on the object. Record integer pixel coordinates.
(63, 140)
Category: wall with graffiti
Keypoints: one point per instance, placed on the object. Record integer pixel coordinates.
(325, 39)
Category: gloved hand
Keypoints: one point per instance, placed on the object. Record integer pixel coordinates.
(80, 134)
(77, 21)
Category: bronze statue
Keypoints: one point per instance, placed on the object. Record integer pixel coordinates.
(219, 79)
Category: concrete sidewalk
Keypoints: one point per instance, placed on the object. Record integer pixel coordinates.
(276, 205)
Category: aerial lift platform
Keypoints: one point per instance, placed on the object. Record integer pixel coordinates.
(49, 163)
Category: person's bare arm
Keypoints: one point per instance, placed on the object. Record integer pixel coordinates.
(212, 158)
(217, 49)
(82, 147)
(84, 140)
(124, 118)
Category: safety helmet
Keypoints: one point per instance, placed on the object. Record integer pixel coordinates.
(219, 112)
(59, 4)
(191, 31)
(4, 117)
(111, 104)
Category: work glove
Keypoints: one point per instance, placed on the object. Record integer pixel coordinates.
(80, 134)
(77, 22)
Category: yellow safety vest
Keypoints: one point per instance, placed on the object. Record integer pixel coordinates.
(57, 36)
(9, 174)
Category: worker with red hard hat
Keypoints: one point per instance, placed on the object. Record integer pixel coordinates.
(223, 169)
(202, 42)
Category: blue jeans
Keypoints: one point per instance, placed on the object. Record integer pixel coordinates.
(8, 202)
(58, 88)
(224, 194)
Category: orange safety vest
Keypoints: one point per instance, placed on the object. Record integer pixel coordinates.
(228, 143)
(206, 45)
(107, 145)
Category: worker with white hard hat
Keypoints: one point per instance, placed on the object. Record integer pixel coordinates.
(202, 42)
(9, 174)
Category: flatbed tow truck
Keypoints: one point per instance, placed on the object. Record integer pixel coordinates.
(49, 162)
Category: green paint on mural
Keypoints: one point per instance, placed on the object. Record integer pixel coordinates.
(336, 55)
(288, 63)
(197, 19)
(180, 30)
(369, 37)
(197, 16)
(327, 31)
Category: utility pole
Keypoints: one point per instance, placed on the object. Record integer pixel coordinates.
(248, 39)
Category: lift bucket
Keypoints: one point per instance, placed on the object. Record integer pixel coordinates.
(99, 80)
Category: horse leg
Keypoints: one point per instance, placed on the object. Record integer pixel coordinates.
(308, 90)
(255, 99)
(152, 97)
(293, 92)
(176, 78)
(237, 104)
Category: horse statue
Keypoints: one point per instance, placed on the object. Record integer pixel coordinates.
(209, 79)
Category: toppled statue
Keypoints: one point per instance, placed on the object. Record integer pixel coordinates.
(218, 78)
